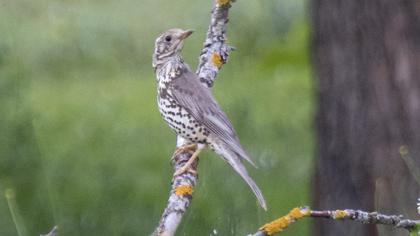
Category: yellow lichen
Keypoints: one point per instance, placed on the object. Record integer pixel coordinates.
(298, 213)
(222, 2)
(184, 190)
(283, 222)
(216, 59)
(340, 214)
(276, 226)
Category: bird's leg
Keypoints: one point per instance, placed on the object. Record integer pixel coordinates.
(190, 148)
(187, 166)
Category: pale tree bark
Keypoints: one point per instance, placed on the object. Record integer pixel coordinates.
(366, 56)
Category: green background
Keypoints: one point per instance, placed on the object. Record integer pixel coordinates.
(82, 144)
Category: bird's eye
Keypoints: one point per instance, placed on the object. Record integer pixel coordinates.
(168, 38)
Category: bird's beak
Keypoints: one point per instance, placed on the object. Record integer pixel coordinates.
(186, 33)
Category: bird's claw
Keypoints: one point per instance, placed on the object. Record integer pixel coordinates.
(188, 166)
(190, 148)
(185, 169)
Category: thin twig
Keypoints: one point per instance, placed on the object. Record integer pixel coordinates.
(363, 217)
(214, 54)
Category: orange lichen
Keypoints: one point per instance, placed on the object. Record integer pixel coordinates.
(298, 213)
(184, 190)
(222, 2)
(216, 59)
(283, 222)
(340, 214)
(276, 225)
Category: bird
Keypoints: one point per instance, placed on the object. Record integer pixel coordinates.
(190, 109)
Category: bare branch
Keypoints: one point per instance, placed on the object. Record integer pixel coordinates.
(363, 217)
(214, 54)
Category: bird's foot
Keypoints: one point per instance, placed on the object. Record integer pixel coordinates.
(187, 167)
(190, 148)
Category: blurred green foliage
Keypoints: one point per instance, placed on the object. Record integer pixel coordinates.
(82, 145)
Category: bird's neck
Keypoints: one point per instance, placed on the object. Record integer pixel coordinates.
(169, 69)
(161, 63)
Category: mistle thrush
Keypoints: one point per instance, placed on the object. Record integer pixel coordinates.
(190, 109)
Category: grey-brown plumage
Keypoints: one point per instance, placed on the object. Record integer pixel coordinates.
(190, 109)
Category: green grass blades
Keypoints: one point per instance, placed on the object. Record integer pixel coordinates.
(83, 146)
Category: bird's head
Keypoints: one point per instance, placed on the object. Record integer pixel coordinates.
(169, 44)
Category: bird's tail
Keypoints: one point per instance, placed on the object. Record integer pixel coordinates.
(235, 161)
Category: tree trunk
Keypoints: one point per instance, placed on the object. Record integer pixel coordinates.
(366, 56)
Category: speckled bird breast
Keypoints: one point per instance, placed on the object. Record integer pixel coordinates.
(175, 115)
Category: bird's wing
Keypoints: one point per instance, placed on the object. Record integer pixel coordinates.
(197, 99)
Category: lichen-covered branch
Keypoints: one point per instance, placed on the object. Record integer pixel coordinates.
(397, 221)
(180, 196)
(214, 54)
(283, 222)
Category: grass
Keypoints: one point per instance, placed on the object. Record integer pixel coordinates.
(83, 145)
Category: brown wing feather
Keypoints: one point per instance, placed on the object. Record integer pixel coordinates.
(197, 99)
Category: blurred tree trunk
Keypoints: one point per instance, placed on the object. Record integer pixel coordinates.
(366, 56)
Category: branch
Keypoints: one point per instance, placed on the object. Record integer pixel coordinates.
(214, 54)
(278, 225)
(180, 196)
